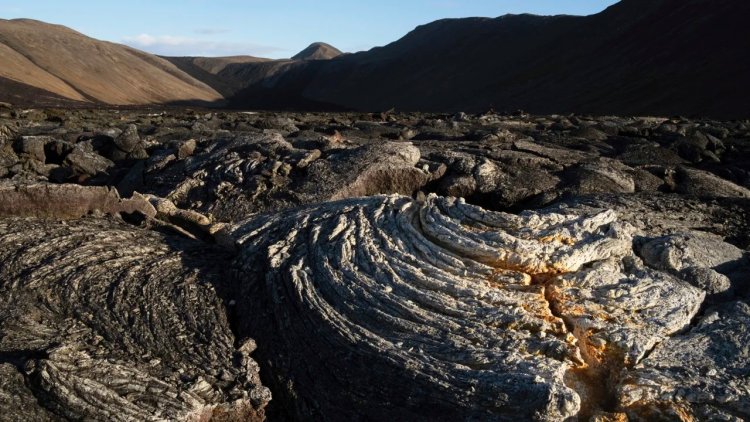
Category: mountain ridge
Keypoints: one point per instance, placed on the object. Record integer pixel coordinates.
(615, 62)
(663, 57)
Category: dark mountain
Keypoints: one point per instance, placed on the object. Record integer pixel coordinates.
(229, 75)
(637, 57)
(210, 70)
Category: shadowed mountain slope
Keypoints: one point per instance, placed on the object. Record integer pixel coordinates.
(637, 57)
(230, 75)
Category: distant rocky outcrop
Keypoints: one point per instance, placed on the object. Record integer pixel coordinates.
(217, 71)
(234, 75)
(318, 51)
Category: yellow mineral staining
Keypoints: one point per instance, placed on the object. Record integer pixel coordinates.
(558, 239)
(533, 268)
(609, 417)
(683, 412)
(590, 386)
(595, 350)
(512, 279)
(601, 316)
(553, 300)
(540, 310)
(501, 277)
(662, 410)
(594, 379)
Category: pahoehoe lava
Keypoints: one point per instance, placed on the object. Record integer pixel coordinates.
(109, 322)
(434, 310)
(184, 265)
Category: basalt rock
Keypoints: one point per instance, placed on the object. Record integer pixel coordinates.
(624, 298)
(232, 178)
(103, 321)
(33, 146)
(700, 375)
(8, 130)
(702, 183)
(602, 176)
(86, 163)
(703, 259)
(366, 170)
(66, 201)
(445, 310)
(17, 400)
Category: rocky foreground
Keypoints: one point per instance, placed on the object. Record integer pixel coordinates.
(185, 265)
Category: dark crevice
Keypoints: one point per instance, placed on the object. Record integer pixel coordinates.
(650, 350)
(18, 358)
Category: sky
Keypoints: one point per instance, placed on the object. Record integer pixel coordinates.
(267, 28)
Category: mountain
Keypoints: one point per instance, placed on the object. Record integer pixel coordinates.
(318, 51)
(231, 75)
(661, 57)
(41, 62)
(644, 57)
(210, 70)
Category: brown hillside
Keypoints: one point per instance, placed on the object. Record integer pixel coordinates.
(217, 64)
(65, 62)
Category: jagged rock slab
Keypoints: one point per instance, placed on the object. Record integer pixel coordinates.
(657, 215)
(397, 309)
(16, 399)
(703, 183)
(367, 170)
(619, 309)
(701, 375)
(232, 178)
(703, 259)
(66, 201)
(104, 321)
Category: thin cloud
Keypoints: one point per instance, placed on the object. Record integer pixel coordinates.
(210, 31)
(169, 45)
(445, 4)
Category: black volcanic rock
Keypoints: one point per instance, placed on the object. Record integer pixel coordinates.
(117, 323)
(588, 260)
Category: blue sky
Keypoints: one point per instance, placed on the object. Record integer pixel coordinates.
(267, 28)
